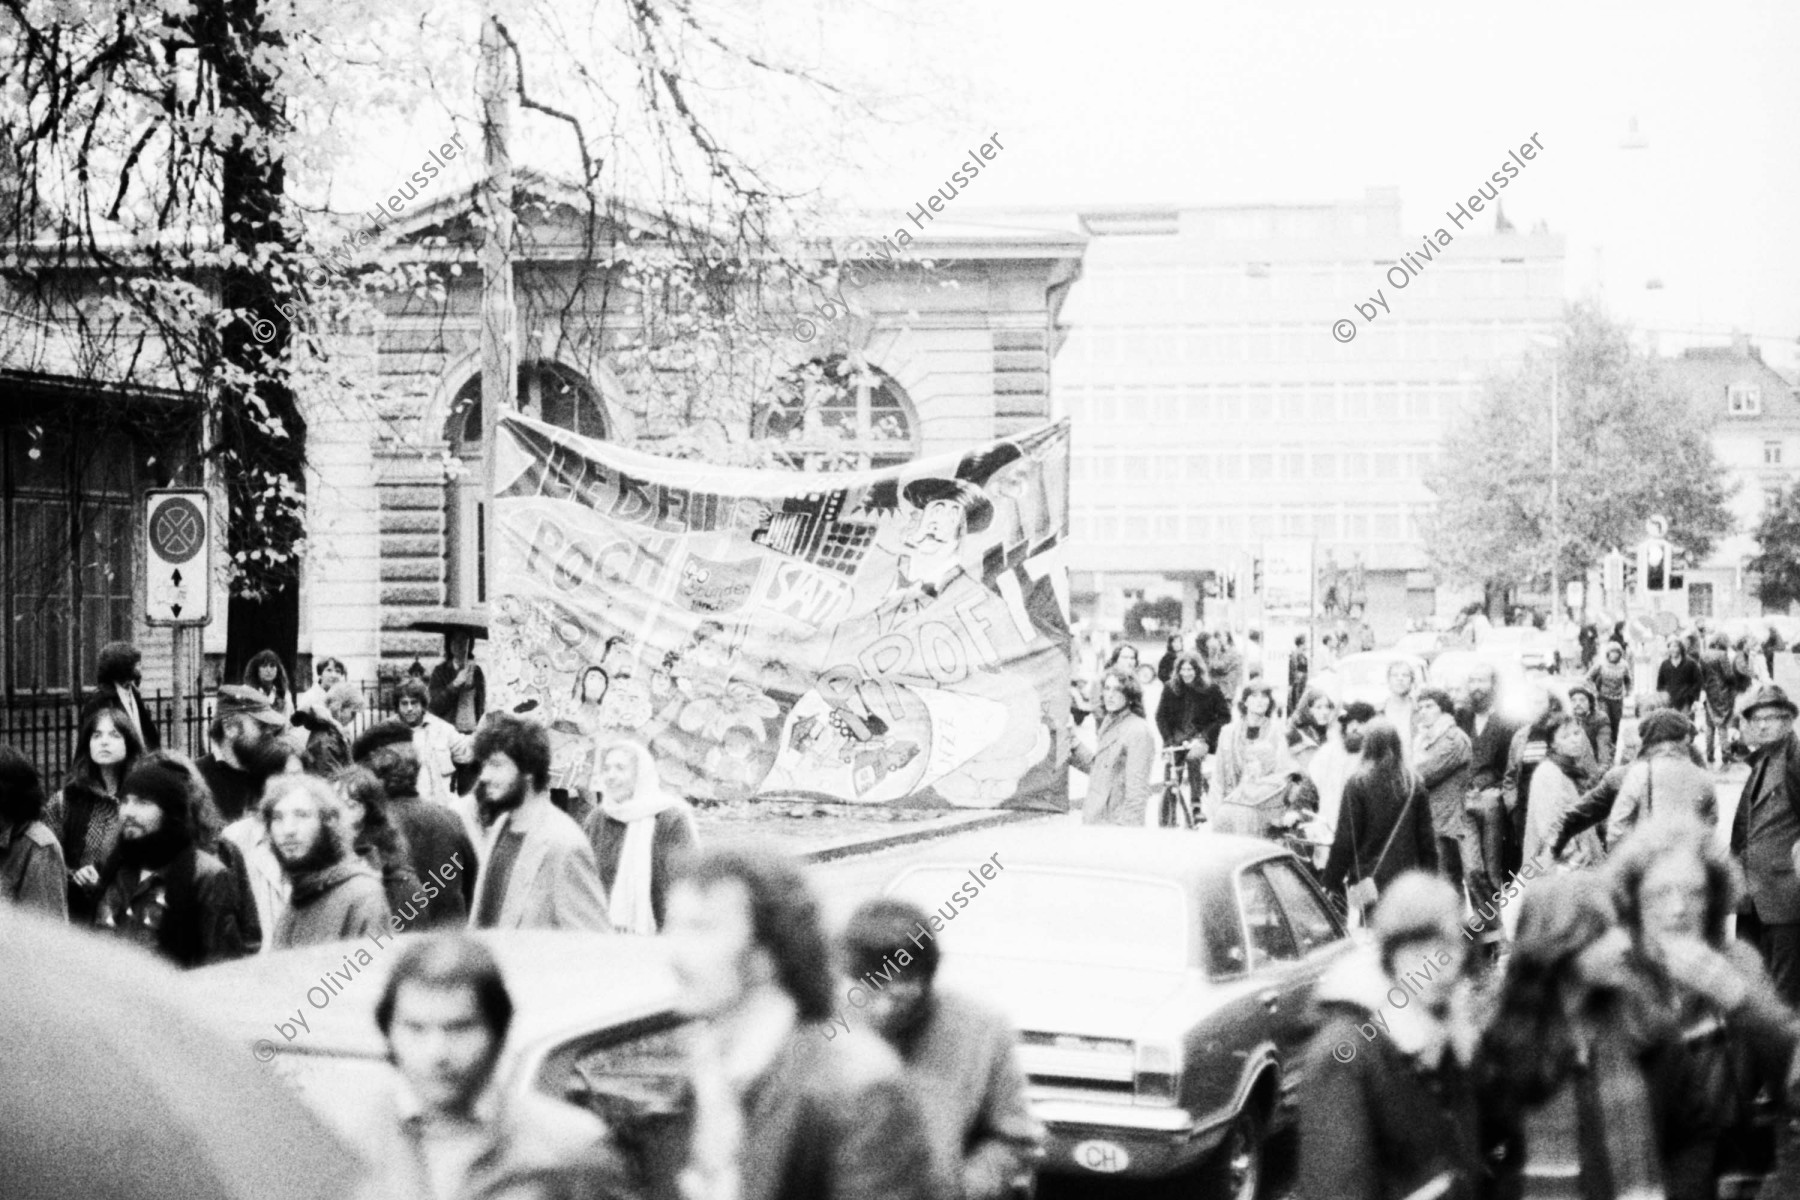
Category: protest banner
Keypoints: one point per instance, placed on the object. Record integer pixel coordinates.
(896, 636)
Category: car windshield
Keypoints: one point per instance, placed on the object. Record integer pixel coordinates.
(1066, 916)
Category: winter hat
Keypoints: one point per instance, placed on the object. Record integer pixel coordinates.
(162, 783)
(1416, 905)
(1664, 725)
(390, 732)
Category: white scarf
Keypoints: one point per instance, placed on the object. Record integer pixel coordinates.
(629, 905)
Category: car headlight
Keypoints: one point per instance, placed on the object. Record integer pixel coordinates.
(1156, 1067)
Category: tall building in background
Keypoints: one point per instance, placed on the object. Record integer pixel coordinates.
(1214, 409)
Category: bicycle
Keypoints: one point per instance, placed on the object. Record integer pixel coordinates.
(1180, 807)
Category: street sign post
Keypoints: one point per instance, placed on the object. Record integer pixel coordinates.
(178, 575)
(178, 557)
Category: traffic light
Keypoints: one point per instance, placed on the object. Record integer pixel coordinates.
(1656, 566)
(1256, 577)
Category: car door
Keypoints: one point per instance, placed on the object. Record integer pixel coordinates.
(1319, 936)
(1275, 961)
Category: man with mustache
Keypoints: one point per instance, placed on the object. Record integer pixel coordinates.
(537, 867)
(159, 889)
(248, 746)
(332, 894)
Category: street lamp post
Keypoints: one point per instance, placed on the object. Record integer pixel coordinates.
(1555, 511)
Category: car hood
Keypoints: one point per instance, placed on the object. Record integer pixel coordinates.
(1070, 997)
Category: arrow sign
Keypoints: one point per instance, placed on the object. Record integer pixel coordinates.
(176, 609)
(177, 578)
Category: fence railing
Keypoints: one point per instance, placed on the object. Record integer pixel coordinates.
(43, 728)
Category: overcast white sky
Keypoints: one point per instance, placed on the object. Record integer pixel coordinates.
(1306, 100)
(1160, 101)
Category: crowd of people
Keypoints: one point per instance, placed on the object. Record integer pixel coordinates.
(291, 831)
(1552, 894)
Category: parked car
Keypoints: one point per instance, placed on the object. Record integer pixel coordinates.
(1425, 644)
(1364, 676)
(595, 1024)
(1160, 985)
(1536, 649)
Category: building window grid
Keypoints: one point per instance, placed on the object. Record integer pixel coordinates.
(1771, 454)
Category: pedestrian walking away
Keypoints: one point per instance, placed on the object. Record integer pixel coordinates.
(432, 833)
(1667, 778)
(1384, 828)
(1388, 1104)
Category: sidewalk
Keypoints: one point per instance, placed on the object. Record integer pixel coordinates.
(817, 832)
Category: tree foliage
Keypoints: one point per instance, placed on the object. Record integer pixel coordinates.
(1631, 442)
(169, 169)
(1777, 559)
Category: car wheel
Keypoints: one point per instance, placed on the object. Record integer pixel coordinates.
(1238, 1170)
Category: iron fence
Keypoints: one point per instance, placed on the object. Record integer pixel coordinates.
(43, 728)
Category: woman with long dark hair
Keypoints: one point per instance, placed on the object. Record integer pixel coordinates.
(1122, 768)
(265, 673)
(1583, 1081)
(85, 814)
(1190, 714)
(1165, 666)
(1384, 823)
(1311, 725)
(1678, 678)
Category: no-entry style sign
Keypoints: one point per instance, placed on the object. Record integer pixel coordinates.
(178, 556)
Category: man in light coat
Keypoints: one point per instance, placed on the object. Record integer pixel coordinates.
(441, 748)
(537, 867)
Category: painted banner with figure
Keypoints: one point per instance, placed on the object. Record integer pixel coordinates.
(896, 636)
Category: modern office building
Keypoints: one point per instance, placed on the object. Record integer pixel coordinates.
(1215, 408)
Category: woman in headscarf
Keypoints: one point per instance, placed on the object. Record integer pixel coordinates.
(636, 831)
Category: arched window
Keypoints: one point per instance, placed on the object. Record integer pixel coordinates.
(829, 415)
(549, 392)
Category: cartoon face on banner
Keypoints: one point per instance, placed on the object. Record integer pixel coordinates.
(882, 637)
